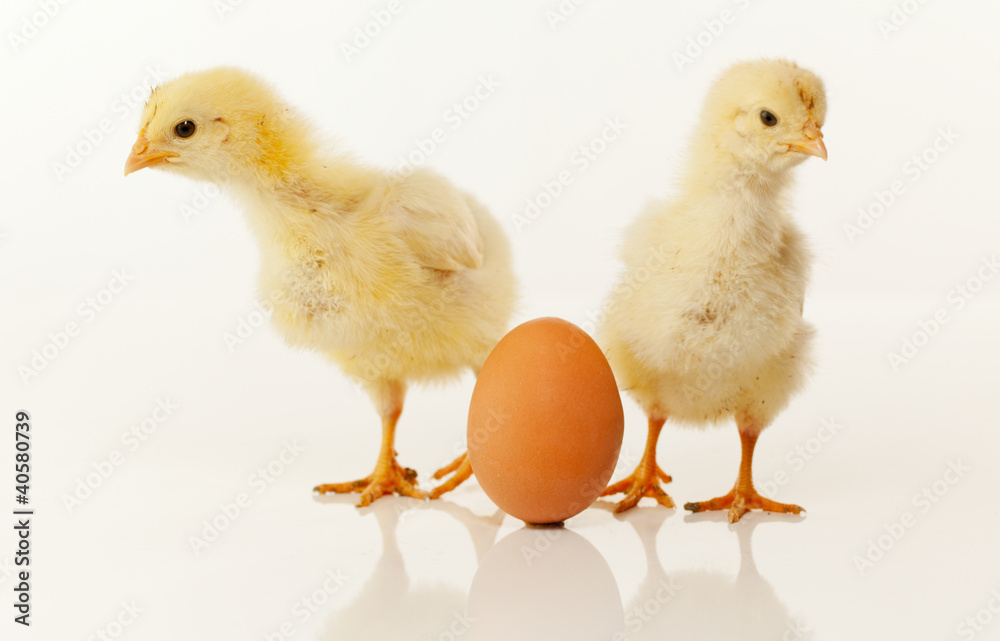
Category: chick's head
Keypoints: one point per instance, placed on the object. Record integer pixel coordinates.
(211, 125)
(767, 113)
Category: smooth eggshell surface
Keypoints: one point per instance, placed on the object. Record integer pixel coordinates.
(545, 422)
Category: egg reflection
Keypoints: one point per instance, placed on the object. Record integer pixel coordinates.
(545, 583)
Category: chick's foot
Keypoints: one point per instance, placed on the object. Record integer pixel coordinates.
(644, 481)
(460, 470)
(388, 478)
(739, 501)
(743, 497)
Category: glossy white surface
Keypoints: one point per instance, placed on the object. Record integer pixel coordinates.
(252, 424)
(405, 569)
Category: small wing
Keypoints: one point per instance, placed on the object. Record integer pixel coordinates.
(435, 221)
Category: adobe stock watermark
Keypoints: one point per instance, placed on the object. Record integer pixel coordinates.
(707, 36)
(628, 459)
(257, 483)
(496, 420)
(91, 138)
(560, 13)
(7, 569)
(799, 457)
(306, 607)
(662, 593)
(401, 345)
(545, 538)
(131, 439)
(796, 630)
(86, 312)
(955, 301)
(715, 365)
(366, 33)
(460, 625)
(34, 23)
(223, 8)
(454, 117)
(923, 502)
(247, 324)
(626, 287)
(204, 195)
(898, 17)
(915, 167)
(580, 160)
(126, 617)
(981, 619)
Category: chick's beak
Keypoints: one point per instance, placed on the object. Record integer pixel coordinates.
(811, 142)
(142, 156)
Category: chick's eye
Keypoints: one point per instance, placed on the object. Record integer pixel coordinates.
(768, 118)
(185, 129)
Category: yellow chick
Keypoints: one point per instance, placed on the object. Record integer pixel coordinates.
(706, 323)
(396, 278)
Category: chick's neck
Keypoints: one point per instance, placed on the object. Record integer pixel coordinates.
(289, 184)
(741, 204)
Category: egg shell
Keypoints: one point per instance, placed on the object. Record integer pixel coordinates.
(545, 422)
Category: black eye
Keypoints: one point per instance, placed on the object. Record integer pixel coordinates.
(185, 129)
(766, 117)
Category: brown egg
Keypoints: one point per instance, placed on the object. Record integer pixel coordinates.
(545, 422)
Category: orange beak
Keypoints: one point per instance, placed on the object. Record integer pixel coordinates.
(142, 156)
(811, 142)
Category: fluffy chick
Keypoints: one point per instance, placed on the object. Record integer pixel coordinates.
(396, 278)
(706, 322)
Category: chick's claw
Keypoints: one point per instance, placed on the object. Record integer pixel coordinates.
(386, 479)
(460, 469)
(639, 484)
(451, 467)
(740, 501)
(644, 481)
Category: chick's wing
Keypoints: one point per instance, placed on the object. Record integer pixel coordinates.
(434, 220)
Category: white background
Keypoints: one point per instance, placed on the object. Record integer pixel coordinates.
(410, 571)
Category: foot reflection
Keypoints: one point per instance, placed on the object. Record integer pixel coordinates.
(551, 583)
(390, 606)
(706, 604)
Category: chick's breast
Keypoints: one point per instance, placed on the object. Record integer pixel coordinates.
(699, 334)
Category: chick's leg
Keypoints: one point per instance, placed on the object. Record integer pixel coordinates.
(743, 497)
(389, 476)
(645, 480)
(460, 470)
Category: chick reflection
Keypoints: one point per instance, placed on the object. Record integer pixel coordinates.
(389, 606)
(544, 583)
(707, 605)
